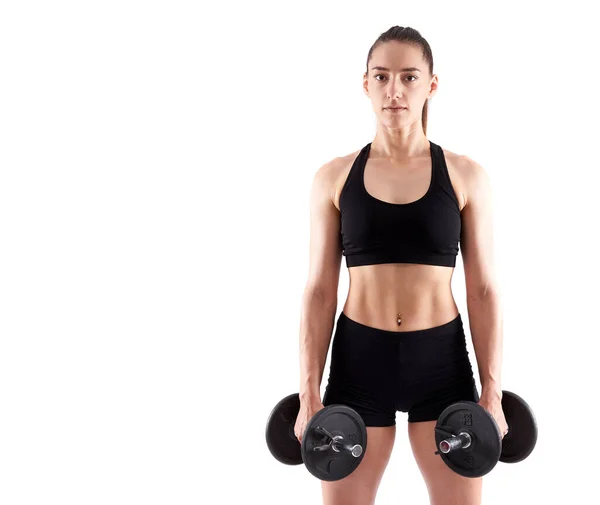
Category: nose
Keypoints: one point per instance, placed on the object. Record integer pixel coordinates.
(394, 93)
(394, 90)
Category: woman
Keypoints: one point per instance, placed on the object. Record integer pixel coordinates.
(397, 210)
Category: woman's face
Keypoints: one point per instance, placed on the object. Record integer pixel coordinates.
(398, 76)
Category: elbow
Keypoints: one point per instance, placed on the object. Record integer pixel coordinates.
(325, 297)
(482, 292)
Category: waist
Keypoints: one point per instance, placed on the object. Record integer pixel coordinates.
(414, 298)
(451, 330)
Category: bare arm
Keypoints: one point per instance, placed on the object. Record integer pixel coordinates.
(319, 301)
(483, 293)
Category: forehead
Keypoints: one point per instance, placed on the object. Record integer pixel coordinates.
(398, 56)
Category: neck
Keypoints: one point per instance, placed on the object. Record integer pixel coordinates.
(400, 145)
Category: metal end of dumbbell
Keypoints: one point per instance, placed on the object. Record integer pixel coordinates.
(356, 451)
(462, 441)
(337, 444)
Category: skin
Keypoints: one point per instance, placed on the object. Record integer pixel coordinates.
(399, 171)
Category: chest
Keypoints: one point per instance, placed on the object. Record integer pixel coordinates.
(401, 185)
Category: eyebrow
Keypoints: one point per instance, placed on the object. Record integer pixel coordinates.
(409, 69)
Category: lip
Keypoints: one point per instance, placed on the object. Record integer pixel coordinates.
(395, 108)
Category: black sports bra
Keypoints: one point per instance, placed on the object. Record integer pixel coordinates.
(426, 231)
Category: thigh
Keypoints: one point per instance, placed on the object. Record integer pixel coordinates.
(436, 373)
(360, 487)
(430, 402)
(363, 373)
(445, 486)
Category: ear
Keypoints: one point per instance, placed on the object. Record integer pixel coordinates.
(433, 86)
(365, 84)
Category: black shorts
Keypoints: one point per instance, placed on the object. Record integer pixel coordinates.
(378, 372)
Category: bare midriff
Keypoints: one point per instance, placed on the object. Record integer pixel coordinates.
(400, 296)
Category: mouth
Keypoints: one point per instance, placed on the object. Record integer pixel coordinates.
(395, 108)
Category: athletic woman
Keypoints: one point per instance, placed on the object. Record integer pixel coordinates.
(397, 209)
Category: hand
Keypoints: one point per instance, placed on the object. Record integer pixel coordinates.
(307, 411)
(493, 404)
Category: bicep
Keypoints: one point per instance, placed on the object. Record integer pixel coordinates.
(324, 245)
(477, 240)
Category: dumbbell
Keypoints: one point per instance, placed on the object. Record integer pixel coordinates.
(333, 444)
(470, 442)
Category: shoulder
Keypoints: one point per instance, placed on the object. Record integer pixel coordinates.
(466, 174)
(333, 174)
(476, 180)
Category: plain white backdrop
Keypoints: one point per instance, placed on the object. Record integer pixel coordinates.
(156, 161)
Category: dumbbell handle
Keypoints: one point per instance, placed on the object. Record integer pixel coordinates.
(337, 444)
(461, 441)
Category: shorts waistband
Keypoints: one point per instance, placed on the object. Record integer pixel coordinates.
(451, 327)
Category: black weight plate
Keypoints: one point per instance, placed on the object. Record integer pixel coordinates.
(329, 465)
(521, 438)
(483, 453)
(281, 440)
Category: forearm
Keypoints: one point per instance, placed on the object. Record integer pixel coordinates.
(486, 325)
(316, 326)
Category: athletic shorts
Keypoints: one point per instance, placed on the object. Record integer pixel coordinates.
(378, 372)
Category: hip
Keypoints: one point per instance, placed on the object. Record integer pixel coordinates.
(432, 355)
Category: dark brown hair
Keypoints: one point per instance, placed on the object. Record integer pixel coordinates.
(410, 36)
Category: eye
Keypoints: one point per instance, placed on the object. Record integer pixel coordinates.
(381, 75)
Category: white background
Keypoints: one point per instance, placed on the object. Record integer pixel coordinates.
(156, 161)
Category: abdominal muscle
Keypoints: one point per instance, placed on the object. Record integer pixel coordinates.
(420, 294)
